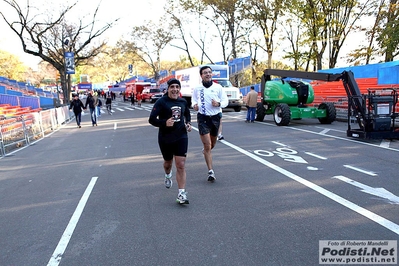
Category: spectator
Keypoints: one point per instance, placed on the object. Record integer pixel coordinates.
(132, 98)
(77, 107)
(251, 102)
(139, 97)
(92, 102)
(108, 103)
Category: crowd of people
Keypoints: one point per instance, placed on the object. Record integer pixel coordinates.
(94, 102)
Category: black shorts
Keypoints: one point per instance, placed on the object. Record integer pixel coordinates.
(177, 148)
(208, 124)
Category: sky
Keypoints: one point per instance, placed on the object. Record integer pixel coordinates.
(131, 13)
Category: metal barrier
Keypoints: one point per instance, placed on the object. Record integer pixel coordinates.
(28, 128)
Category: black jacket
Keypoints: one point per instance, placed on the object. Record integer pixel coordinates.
(165, 108)
(91, 102)
(76, 105)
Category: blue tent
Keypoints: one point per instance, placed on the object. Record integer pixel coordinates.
(118, 87)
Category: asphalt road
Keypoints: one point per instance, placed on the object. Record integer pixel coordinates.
(95, 195)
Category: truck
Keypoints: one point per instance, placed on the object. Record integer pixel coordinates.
(136, 87)
(288, 99)
(190, 78)
(374, 112)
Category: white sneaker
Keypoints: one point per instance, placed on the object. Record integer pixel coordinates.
(182, 198)
(211, 176)
(168, 180)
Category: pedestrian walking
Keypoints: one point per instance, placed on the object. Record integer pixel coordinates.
(108, 104)
(77, 106)
(251, 102)
(98, 108)
(208, 99)
(139, 98)
(132, 99)
(171, 114)
(92, 102)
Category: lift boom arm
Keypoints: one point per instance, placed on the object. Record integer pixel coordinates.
(347, 77)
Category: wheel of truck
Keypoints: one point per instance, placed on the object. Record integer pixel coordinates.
(282, 114)
(237, 108)
(331, 113)
(260, 112)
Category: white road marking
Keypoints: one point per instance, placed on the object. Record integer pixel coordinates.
(348, 204)
(326, 130)
(120, 109)
(115, 126)
(357, 141)
(340, 200)
(379, 192)
(278, 143)
(331, 129)
(385, 143)
(315, 155)
(360, 170)
(66, 236)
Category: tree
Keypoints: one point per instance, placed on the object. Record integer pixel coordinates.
(224, 15)
(344, 16)
(110, 66)
(11, 67)
(265, 16)
(293, 33)
(148, 42)
(328, 24)
(174, 9)
(382, 34)
(49, 38)
(389, 35)
(227, 18)
(185, 13)
(368, 51)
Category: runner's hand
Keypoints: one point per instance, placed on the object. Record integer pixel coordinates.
(188, 127)
(170, 122)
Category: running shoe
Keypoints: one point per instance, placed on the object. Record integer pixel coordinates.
(211, 176)
(168, 180)
(220, 137)
(182, 198)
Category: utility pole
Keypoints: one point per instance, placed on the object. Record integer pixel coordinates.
(69, 64)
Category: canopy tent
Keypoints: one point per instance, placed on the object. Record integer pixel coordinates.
(85, 86)
(117, 87)
(138, 79)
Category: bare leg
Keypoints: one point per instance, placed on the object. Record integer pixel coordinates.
(220, 135)
(209, 143)
(180, 162)
(167, 166)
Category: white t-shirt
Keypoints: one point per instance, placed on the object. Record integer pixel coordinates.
(203, 98)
